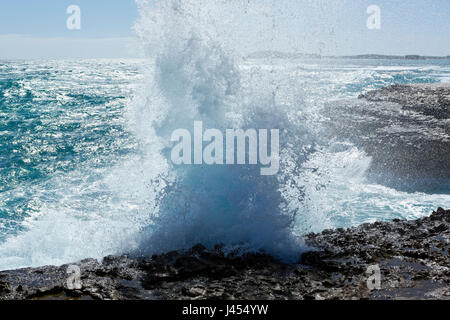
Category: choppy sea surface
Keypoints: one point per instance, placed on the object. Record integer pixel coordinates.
(83, 172)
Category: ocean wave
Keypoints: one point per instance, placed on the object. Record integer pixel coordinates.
(114, 189)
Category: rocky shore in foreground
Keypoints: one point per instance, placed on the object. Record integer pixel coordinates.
(412, 258)
(405, 129)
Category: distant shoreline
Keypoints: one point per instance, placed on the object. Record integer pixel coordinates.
(393, 57)
(287, 55)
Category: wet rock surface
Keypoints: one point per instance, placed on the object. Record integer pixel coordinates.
(412, 258)
(406, 131)
(428, 99)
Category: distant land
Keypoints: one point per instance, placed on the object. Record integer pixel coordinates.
(405, 57)
(291, 55)
(282, 55)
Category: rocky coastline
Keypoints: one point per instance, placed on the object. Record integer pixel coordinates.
(412, 258)
(406, 131)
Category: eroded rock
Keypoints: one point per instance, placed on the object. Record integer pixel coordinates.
(412, 256)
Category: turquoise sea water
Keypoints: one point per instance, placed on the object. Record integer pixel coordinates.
(78, 168)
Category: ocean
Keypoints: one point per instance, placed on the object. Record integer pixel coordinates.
(85, 164)
(84, 173)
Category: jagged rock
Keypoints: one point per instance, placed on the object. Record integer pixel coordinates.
(413, 258)
(406, 131)
(428, 99)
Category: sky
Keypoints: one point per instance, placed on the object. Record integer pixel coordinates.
(37, 29)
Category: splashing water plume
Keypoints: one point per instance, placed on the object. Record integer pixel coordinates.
(195, 78)
(136, 200)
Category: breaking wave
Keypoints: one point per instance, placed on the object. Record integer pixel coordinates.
(138, 201)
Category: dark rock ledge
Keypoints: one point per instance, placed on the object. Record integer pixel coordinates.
(413, 257)
(406, 131)
(432, 99)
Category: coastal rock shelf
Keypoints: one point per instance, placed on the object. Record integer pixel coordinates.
(406, 131)
(412, 257)
(429, 99)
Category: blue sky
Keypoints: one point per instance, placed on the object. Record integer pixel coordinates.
(47, 18)
(408, 26)
(37, 29)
